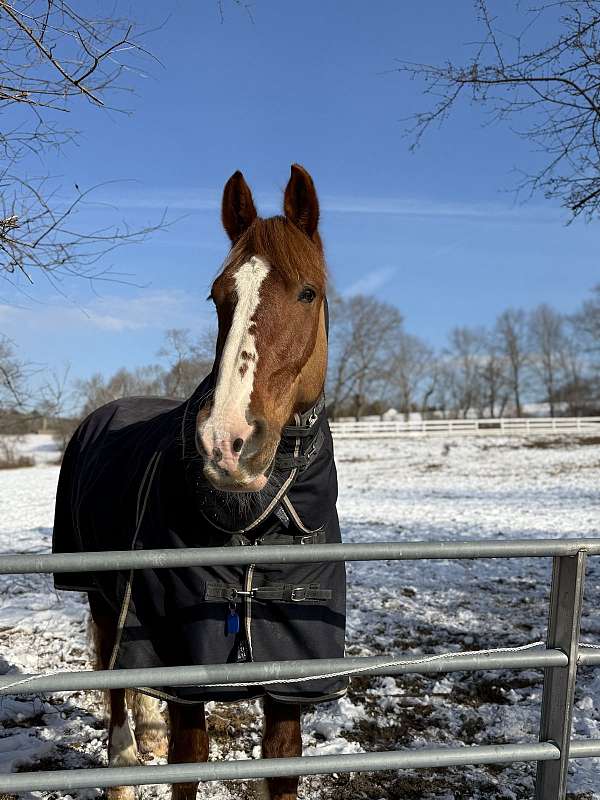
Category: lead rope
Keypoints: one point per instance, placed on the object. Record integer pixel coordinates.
(341, 672)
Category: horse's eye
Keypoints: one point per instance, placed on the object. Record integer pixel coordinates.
(307, 295)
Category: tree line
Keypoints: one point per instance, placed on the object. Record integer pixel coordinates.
(539, 356)
(524, 357)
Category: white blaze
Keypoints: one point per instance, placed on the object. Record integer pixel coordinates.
(232, 394)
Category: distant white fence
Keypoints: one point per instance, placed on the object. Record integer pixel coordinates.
(504, 426)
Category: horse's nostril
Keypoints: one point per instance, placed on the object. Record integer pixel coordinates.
(238, 444)
(217, 454)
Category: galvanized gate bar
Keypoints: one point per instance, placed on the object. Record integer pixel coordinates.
(588, 656)
(584, 748)
(560, 660)
(105, 777)
(112, 560)
(257, 671)
(564, 622)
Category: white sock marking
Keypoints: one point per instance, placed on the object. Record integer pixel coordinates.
(123, 749)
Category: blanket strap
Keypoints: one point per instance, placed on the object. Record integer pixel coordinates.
(271, 591)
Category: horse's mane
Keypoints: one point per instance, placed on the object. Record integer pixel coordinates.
(287, 249)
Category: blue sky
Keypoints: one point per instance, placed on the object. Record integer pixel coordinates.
(436, 232)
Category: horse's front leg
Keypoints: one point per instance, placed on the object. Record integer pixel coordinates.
(122, 750)
(188, 743)
(281, 739)
(150, 727)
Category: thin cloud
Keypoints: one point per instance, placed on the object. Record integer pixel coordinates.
(371, 282)
(426, 209)
(191, 200)
(111, 314)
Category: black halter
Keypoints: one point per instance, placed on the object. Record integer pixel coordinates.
(311, 438)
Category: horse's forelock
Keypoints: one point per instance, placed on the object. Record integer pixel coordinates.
(285, 248)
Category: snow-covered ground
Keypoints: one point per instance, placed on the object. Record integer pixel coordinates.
(397, 490)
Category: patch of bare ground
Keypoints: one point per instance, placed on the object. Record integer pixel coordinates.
(432, 467)
(232, 720)
(16, 462)
(564, 469)
(420, 785)
(557, 442)
(584, 796)
(544, 444)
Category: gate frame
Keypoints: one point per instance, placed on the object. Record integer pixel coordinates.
(560, 659)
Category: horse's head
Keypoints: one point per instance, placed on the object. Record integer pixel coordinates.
(271, 351)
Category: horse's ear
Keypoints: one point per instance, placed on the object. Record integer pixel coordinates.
(300, 202)
(237, 210)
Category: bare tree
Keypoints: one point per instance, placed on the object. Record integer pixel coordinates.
(97, 390)
(56, 406)
(495, 389)
(53, 56)
(547, 336)
(577, 388)
(13, 383)
(463, 358)
(412, 372)
(587, 322)
(550, 93)
(364, 335)
(188, 360)
(511, 336)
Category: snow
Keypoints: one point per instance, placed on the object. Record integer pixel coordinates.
(399, 490)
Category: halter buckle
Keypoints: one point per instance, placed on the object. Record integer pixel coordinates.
(298, 594)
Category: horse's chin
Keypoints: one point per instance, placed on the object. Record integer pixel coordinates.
(255, 485)
(246, 486)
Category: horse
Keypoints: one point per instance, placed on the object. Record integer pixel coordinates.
(247, 460)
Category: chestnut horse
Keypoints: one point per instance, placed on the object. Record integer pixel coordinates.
(270, 363)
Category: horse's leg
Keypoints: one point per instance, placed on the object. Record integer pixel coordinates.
(281, 739)
(150, 726)
(188, 743)
(122, 750)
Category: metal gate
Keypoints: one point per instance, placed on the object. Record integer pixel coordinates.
(560, 659)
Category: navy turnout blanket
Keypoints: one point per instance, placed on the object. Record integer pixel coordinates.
(132, 478)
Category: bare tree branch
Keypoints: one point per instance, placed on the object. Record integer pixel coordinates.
(554, 90)
(52, 57)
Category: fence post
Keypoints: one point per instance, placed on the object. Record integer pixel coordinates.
(564, 621)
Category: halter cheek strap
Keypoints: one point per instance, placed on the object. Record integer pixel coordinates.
(309, 436)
